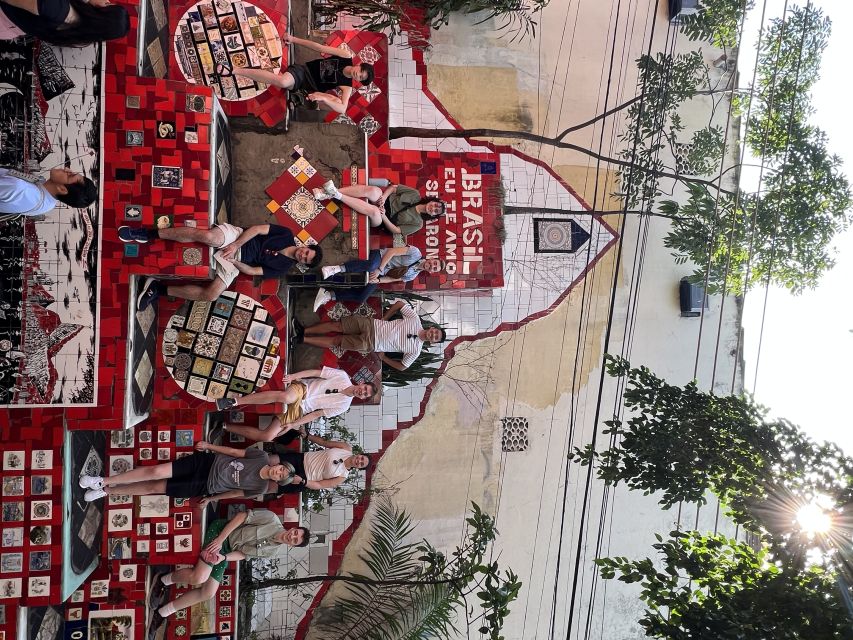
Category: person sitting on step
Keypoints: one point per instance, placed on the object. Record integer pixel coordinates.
(406, 335)
(397, 264)
(320, 77)
(266, 250)
(397, 209)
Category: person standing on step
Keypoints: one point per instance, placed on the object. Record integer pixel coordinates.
(310, 394)
(256, 533)
(406, 335)
(320, 77)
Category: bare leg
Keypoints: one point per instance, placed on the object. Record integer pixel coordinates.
(324, 327)
(269, 434)
(267, 397)
(358, 205)
(362, 191)
(284, 80)
(141, 474)
(191, 575)
(324, 342)
(204, 592)
(144, 488)
(211, 237)
(208, 292)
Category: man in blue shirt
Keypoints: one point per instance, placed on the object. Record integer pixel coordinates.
(266, 250)
(22, 194)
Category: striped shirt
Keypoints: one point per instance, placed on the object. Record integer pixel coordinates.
(393, 335)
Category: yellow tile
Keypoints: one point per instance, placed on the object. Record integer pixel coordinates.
(304, 236)
(302, 178)
(273, 206)
(331, 206)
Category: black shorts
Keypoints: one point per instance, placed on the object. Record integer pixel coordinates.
(301, 77)
(189, 475)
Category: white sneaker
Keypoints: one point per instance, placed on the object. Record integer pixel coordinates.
(94, 494)
(331, 270)
(321, 195)
(332, 190)
(91, 482)
(322, 298)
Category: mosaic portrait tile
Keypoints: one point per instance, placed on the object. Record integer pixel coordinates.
(223, 306)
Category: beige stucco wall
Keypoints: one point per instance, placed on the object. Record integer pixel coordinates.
(453, 455)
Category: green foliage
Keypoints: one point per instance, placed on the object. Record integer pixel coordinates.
(516, 17)
(666, 81)
(709, 586)
(684, 443)
(788, 65)
(412, 590)
(717, 22)
(784, 235)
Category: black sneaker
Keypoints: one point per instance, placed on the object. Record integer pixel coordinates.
(223, 404)
(149, 294)
(133, 234)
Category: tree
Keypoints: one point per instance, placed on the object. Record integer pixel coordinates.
(517, 17)
(413, 590)
(685, 443)
(710, 586)
(716, 21)
(781, 231)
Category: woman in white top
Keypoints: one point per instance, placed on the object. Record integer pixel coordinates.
(322, 469)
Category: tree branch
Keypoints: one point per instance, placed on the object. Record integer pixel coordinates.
(509, 210)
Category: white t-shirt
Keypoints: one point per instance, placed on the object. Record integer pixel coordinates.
(332, 404)
(325, 464)
(23, 197)
(393, 335)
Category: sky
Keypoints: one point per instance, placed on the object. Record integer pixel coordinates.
(806, 352)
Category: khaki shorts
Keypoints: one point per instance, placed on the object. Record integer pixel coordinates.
(227, 272)
(358, 334)
(230, 232)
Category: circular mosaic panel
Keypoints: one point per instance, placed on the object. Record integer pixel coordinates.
(231, 32)
(220, 349)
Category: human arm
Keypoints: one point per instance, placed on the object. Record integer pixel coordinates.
(216, 544)
(248, 233)
(242, 267)
(203, 445)
(308, 417)
(228, 495)
(393, 228)
(394, 308)
(328, 483)
(235, 555)
(319, 48)
(301, 375)
(329, 444)
(394, 364)
(334, 103)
